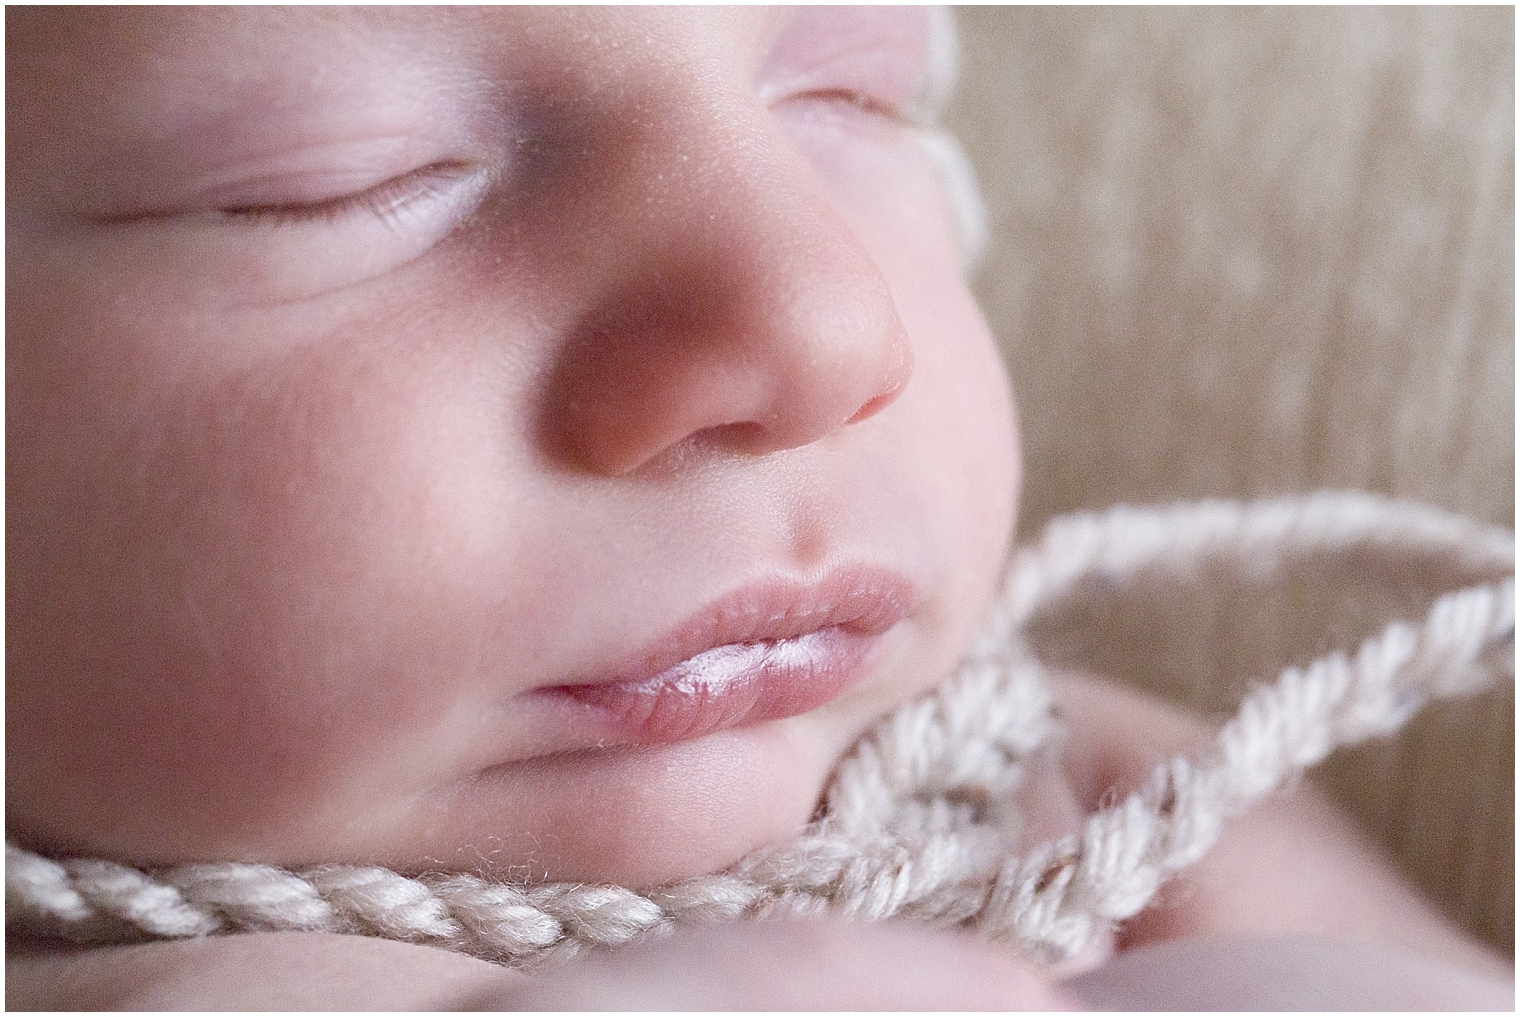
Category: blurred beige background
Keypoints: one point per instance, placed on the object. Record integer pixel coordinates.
(1238, 253)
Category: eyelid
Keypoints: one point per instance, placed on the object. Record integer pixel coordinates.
(856, 98)
(877, 59)
(386, 200)
(270, 252)
(884, 83)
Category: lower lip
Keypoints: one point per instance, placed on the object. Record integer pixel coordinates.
(732, 685)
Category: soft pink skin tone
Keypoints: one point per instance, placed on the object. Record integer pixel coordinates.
(817, 965)
(310, 526)
(304, 517)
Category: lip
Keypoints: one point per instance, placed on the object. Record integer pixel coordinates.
(769, 650)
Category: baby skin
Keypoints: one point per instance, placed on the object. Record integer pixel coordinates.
(534, 442)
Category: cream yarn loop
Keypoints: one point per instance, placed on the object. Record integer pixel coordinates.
(917, 820)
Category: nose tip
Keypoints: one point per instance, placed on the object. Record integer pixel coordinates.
(755, 347)
(871, 365)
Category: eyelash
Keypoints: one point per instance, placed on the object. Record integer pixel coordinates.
(385, 200)
(860, 100)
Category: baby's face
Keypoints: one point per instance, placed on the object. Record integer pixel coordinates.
(532, 438)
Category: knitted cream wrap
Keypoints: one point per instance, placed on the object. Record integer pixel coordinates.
(917, 820)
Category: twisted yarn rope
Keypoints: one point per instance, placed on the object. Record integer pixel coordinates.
(918, 820)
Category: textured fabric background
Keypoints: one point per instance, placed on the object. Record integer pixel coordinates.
(1240, 253)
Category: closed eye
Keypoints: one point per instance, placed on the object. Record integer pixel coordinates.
(285, 237)
(386, 200)
(876, 60)
(861, 100)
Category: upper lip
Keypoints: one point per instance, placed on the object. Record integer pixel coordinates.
(860, 599)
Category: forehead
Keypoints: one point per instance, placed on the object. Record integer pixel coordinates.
(107, 40)
(250, 50)
(113, 78)
(130, 28)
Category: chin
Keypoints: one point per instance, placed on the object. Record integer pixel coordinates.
(646, 816)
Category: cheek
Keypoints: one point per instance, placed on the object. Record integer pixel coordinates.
(957, 414)
(966, 443)
(340, 563)
(261, 581)
(971, 462)
(964, 422)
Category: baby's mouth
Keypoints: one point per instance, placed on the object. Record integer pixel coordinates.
(763, 653)
(734, 684)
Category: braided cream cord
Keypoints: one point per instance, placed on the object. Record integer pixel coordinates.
(917, 820)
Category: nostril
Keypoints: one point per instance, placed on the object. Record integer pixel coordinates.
(874, 406)
(624, 396)
(743, 436)
(894, 381)
(771, 333)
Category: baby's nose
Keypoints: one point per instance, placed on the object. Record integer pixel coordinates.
(743, 313)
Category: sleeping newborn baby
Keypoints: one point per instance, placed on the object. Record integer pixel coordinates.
(533, 443)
